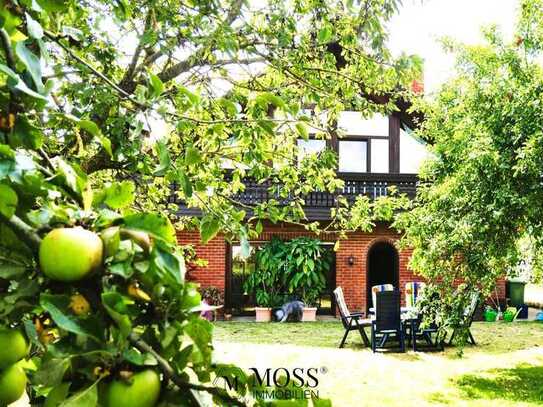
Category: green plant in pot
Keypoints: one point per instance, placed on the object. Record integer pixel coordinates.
(306, 263)
(266, 282)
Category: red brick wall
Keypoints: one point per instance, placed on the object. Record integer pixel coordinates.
(215, 254)
(351, 278)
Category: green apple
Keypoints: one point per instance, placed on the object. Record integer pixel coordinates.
(12, 384)
(142, 390)
(70, 254)
(13, 347)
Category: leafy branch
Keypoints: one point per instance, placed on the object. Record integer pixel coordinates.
(23, 231)
(169, 372)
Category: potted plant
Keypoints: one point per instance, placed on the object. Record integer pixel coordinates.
(265, 281)
(306, 264)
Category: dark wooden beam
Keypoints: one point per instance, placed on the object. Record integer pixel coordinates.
(393, 144)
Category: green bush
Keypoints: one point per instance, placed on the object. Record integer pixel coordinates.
(289, 268)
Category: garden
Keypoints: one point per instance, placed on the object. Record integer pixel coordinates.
(140, 140)
(505, 368)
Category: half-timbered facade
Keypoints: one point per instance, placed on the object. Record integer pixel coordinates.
(374, 154)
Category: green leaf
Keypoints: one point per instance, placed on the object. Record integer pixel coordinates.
(58, 394)
(267, 126)
(53, 5)
(192, 156)
(185, 183)
(169, 265)
(8, 201)
(265, 99)
(192, 97)
(123, 269)
(301, 128)
(35, 30)
(325, 34)
(25, 134)
(318, 402)
(85, 398)
(209, 227)
(119, 194)
(164, 159)
(32, 63)
(19, 84)
(58, 307)
(106, 144)
(72, 175)
(116, 308)
(159, 226)
(89, 126)
(92, 128)
(199, 330)
(230, 107)
(11, 271)
(51, 372)
(181, 358)
(157, 87)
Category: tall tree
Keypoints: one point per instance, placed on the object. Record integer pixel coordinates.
(105, 101)
(482, 190)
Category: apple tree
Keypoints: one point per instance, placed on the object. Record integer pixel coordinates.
(482, 190)
(103, 106)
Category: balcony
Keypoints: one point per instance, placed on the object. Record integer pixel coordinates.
(317, 204)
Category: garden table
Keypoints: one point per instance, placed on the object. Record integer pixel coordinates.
(403, 310)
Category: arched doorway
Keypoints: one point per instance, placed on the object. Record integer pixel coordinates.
(382, 267)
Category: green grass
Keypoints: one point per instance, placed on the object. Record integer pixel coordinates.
(492, 337)
(523, 382)
(504, 369)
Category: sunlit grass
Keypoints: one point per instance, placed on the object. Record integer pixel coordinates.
(504, 369)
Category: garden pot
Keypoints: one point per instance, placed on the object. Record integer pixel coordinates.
(310, 314)
(263, 314)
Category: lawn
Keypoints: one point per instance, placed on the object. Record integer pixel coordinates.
(506, 368)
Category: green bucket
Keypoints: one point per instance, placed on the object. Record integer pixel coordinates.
(490, 315)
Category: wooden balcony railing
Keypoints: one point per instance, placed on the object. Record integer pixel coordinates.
(372, 185)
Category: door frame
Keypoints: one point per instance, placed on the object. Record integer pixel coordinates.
(391, 244)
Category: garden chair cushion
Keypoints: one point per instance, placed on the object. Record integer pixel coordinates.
(340, 301)
(352, 321)
(413, 290)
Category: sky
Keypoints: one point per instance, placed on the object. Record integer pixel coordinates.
(418, 26)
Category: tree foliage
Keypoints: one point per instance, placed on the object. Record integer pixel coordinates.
(105, 104)
(482, 190)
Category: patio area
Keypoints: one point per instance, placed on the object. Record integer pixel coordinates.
(506, 368)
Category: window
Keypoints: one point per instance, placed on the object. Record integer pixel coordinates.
(353, 156)
(379, 155)
(307, 147)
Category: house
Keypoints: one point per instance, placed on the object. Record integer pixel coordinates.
(375, 154)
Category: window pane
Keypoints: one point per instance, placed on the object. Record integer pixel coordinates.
(379, 155)
(353, 156)
(354, 123)
(306, 147)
